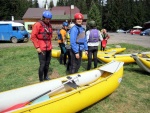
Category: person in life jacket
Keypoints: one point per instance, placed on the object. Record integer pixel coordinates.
(68, 47)
(41, 37)
(105, 38)
(62, 42)
(94, 37)
(78, 43)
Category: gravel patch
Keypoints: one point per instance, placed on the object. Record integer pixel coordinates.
(116, 38)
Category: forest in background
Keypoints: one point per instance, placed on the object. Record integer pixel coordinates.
(112, 15)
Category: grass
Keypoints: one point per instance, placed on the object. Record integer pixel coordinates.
(19, 65)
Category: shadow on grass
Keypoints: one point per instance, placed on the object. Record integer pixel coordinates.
(3, 42)
(84, 64)
(136, 69)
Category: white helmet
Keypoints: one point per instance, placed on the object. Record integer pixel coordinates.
(71, 25)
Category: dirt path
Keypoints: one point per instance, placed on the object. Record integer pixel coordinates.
(9, 44)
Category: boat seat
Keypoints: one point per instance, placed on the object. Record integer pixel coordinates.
(72, 84)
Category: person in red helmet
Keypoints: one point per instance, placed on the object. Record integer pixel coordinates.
(41, 37)
(78, 43)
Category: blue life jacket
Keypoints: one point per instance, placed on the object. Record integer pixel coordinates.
(78, 39)
(59, 34)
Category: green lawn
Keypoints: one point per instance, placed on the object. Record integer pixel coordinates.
(19, 67)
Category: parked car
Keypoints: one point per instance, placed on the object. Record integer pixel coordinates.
(128, 31)
(13, 31)
(135, 31)
(120, 31)
(145, 32)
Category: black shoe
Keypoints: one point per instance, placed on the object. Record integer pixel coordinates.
(65, 64)
(47, 78)
(41, 80)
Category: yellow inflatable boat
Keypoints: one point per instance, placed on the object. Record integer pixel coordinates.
(118, 50)
(126, 58)
(108, 52)
(144, 63)
(66, 94)
(56, 54)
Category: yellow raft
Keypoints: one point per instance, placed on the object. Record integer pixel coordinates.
(99, 53)
(56, 54)
(108, 52)
(126, 58)
(89, 87)
(144, 63)
(118, 50)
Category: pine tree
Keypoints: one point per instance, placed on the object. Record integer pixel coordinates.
(95, 15)
(107, 12)
(88, 3)
(69, 2)
(51, 4)
(35, 4)
(84, 9)
(146, 4)
(60, 3)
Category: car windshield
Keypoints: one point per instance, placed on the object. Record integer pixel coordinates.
(21, 28)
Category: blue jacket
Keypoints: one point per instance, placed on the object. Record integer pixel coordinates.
(78, 44)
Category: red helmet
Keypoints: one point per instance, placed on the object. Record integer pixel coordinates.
(78, 16)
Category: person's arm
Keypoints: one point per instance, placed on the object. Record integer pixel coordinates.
(63, 34)
(107, 37)
(73, 38)
(100, 36)
(86, 40)
(34, 34)
(87, 35)
(51, 34)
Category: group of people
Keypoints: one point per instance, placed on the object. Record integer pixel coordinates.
(72, 39)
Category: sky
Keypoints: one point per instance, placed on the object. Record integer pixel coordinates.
(42, 2)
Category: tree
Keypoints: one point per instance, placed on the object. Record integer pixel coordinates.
(88, 3)
(95, 15)
(35, 4)
(146, 4)
(84, 9)
(15, 8)
(60, 3)
(51, 4)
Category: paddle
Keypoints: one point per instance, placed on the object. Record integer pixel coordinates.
(70, 80)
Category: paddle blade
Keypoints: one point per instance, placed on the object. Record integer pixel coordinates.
(73, 85)
(15, 107)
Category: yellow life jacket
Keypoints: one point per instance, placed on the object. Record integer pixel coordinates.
(68, 38)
